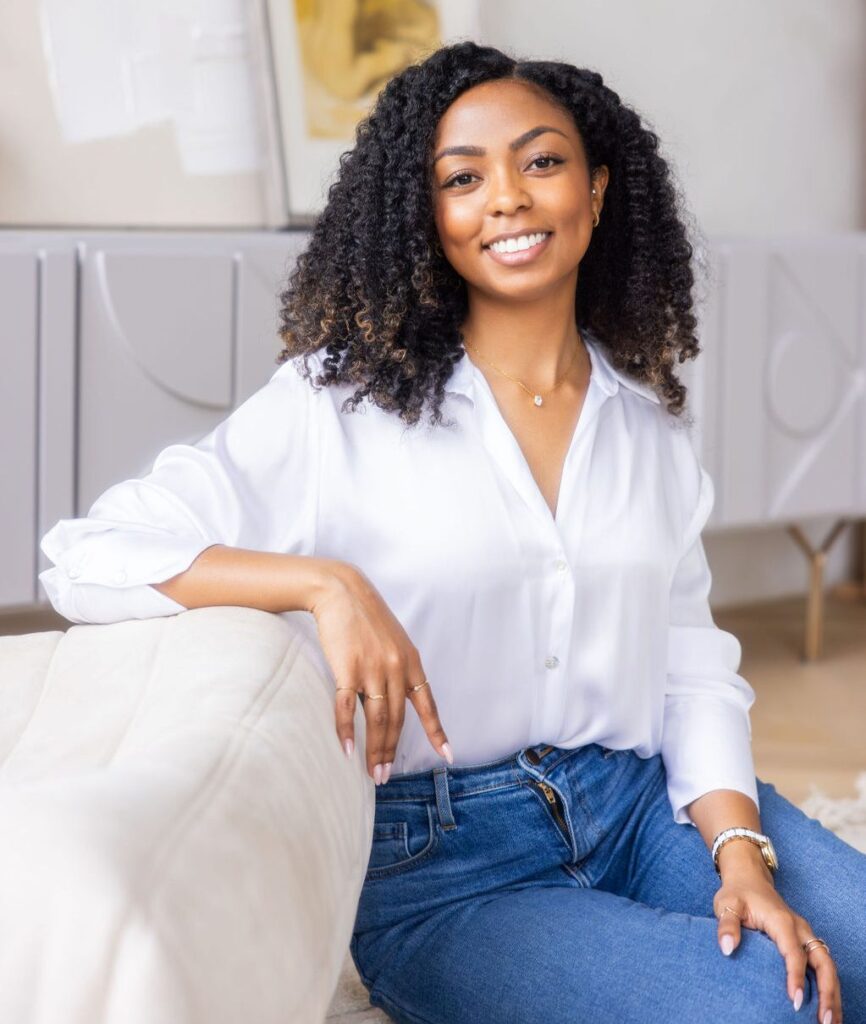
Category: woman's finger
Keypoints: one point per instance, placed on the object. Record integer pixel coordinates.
(345, 699)
(730, 915)
(421, 695)
(829, 989)
(376, 712)
(781, 926)
(396, 715)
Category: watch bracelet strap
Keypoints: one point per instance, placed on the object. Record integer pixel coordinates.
(730, 834)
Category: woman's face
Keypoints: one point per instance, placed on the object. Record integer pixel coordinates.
(505, 160)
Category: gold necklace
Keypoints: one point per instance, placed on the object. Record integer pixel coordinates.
(537, 399)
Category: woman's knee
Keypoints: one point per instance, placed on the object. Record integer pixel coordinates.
(755, 978)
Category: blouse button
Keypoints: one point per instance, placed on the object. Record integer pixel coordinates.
(552, 661)
(73, 573)
(120, 576)
(561, 565)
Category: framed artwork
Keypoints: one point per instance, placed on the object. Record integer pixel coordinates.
(327, 61)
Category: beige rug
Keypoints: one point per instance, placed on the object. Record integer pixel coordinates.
(846, 817)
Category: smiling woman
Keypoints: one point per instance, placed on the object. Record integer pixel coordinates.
(588, 838)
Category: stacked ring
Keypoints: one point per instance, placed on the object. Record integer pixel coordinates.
(380, 696)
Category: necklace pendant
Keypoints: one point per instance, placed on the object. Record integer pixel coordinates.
(537, 399)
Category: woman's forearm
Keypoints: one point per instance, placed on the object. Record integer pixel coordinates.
(271, 581)
(719, 809)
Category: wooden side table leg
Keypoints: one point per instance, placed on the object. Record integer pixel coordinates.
(862, 532)
(814, 626)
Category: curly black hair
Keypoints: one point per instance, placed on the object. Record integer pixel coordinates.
(373, 288)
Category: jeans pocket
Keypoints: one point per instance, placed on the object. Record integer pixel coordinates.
(404, 835)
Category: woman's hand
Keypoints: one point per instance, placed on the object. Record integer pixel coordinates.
(369, 651)
(749, 891)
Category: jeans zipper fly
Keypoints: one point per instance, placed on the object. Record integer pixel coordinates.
(554, 804)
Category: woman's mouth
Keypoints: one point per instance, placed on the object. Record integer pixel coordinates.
(517, 251)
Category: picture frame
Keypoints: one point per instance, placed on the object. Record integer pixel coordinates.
(324, 65)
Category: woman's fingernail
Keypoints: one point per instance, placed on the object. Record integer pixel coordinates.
(348, 746)
(386, 772)
(828, 1017)
(446, 750)
(377, 774)
(798, 999)
(727, 944)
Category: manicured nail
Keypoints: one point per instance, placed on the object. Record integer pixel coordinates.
(377, 774)
(798, 999)
(727, 944)
(828, 1017)
(446, 750)
(386, 773)
(348, 746)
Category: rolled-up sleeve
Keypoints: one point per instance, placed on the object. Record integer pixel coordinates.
(706, 736)
(248, 483)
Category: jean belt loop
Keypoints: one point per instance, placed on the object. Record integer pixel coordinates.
(443, 801)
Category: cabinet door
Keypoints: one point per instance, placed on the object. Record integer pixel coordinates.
(57, 399)
(156, 354)
(19, 273)
(263, 269)
(791, 370)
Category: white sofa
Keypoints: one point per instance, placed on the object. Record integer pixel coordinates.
(183, 838)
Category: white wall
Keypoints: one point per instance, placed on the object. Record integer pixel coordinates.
(126, 180)
(761, 107)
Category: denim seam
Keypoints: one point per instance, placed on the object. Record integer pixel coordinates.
(451, 794)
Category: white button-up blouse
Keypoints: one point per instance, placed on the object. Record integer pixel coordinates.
(590, 626)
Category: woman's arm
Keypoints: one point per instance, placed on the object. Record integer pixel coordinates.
(719, 809)
(248, 485)
(271, 581)
(706, 732)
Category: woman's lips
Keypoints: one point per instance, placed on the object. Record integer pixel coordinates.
(520, 256)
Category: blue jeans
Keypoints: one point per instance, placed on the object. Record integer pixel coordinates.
(554, 886)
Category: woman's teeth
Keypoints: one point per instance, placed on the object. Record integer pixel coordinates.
(516, 244)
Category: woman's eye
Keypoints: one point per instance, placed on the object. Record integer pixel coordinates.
(457, 177)
(555, 160)
(465, 174)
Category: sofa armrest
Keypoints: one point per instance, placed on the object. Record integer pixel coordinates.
(184, 838)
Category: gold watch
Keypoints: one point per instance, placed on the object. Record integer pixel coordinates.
(765, 844)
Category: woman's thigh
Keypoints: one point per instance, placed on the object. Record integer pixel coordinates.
(820, 877)
(562, 954)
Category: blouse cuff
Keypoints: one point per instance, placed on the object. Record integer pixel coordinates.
(104, 576)
(706, 745)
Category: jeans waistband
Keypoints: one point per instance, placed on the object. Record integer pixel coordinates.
(445, 782)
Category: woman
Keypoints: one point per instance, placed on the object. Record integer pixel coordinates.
(534, 561)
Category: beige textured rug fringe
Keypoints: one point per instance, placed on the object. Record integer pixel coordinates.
(845, 816)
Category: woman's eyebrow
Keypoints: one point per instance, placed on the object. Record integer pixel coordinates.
(516, 144)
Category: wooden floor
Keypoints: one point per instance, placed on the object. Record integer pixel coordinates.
(808, 720)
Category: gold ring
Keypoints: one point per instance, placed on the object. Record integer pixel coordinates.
(731, 909)
(815, 942)
(374, 696)
(412, 689)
